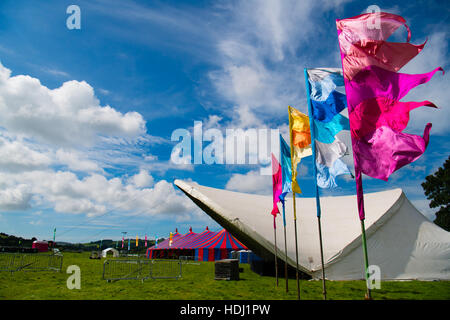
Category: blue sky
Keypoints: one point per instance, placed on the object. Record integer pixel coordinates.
(86, 116)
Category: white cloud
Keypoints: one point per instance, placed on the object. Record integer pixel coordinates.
(15, 198)
(432, 56)
(55, 144)
(251, 182)
(56, 72)
(16, 156)
(92, 195)
(73, 160)
(424, 208)
(142, 179)
(262, 55)
(70, 115)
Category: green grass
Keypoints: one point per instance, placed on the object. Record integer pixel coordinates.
(197, 283)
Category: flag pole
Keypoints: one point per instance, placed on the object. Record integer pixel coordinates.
(313, 147)
(366, 259)
(360, 201)
(285, 249)
(361, 211)
(296, 248)
(276, 250)
(293, 201)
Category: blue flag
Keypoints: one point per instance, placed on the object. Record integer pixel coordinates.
(326, 107)
(286, 169)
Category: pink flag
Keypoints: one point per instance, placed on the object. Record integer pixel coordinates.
(146, 241)
(368, 26)
(373, 82)
(373, 89)
(386, 55)
(277, 184)
(374, 113)
(387, 151)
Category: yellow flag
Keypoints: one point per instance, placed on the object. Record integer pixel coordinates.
(300, 134)
(137, 241)
(170, 239)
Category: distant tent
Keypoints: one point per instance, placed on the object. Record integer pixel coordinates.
(183, 241)
(162, 250)
(41, 246)
(201, 239)
(205, 246)
(112, 250)
(218, 247)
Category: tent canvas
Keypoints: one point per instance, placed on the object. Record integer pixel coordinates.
(114, 252)
(402, 242)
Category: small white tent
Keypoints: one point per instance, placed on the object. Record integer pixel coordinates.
(114, 252)
(402, 242)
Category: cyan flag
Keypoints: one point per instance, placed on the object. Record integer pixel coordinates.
(286, 168)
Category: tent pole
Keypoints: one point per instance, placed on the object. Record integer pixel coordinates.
(285, 250)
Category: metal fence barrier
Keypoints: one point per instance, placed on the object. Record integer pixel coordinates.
(137, 269)
(13, 262)
(189, 260)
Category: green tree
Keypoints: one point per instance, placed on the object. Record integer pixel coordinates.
(437, 189)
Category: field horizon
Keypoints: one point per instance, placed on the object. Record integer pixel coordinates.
(197, 283)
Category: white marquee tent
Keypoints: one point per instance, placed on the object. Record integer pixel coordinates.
(114, 252)
(402, 242)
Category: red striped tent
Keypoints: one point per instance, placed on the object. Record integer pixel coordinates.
(218, 247)
(163, 246)
(205, 246)
(184, 241)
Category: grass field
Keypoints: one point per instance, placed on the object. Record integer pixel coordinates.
(197, 283)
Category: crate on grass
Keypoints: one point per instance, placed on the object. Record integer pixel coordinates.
(227, 269)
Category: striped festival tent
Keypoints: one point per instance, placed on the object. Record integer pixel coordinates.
(218, 247)
(163, 247)
(205, 246)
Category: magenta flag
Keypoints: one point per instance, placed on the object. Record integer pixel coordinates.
(374, 113)
(146, 241)
(373, 88)
(373, 82)
(277, 183)
(122, 241)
